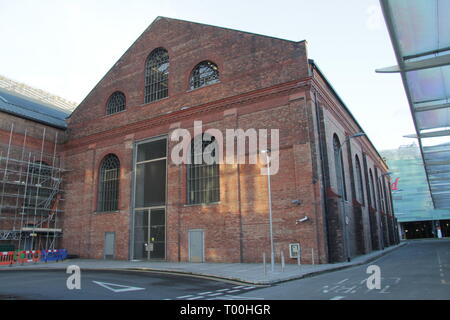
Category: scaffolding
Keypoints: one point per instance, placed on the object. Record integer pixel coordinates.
(31, 193)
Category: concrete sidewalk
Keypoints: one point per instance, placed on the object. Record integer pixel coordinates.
(249, 273)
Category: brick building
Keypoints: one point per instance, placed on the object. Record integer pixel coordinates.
(32, 132)
(126, 199)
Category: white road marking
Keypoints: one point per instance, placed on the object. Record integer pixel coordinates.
(196, 298)
(215, 294)
(233, 291)
(243, 298)
(348, 290)
(239, 287)
(221, 290)
(337, 298)
(203, 293)
(110, 286)
(384, 289)
(342, 281)
(183, 297)
(249, 288)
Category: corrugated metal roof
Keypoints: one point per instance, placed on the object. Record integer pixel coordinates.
(28, 108)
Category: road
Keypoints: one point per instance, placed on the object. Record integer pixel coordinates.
(419, 270)
(112, 285)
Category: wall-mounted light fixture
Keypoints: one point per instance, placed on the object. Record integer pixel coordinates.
(302, 220)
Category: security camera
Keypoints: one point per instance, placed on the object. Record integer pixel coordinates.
(296, 202)
(302, 220)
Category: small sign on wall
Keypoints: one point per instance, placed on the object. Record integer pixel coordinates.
(294, 250)
(149, 247)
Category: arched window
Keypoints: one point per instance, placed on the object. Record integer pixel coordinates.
(372, 185)
(359, 181)
(339, 166)
(157, 75)
(378, 186)
(205, 73)
(108, 191)
(203, 176)
(116, 103)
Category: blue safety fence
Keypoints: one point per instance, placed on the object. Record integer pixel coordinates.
(53, 255)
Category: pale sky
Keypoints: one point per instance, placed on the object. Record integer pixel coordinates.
(66, 46)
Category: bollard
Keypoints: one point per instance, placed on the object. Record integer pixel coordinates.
(312, 255)
(264, 264)
(298, 259)
(282, 261)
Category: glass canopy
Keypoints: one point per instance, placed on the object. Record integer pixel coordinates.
(420, 34)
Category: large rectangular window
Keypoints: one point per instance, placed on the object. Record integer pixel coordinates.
(151, 174)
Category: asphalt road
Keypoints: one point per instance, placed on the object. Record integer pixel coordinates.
(104, 285)
(419, 270)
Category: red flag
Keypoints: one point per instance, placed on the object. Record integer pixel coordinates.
(395, 185)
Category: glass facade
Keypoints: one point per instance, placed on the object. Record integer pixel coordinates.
(411, 195)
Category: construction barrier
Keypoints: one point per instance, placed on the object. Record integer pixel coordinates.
(54, 255)
(32, 256)
(7, 258)
(28, 256)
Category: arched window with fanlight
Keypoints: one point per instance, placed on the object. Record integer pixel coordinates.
(157, 75)
(204, 74)
(339, 167)
(108, 191)
(116, 103)
(203, 175)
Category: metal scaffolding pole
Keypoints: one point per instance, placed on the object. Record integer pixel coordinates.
(20, 178)
(30, 192)
(6, 168)
(33, 234)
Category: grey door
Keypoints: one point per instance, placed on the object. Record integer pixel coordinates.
(109, 245)
(196, 246)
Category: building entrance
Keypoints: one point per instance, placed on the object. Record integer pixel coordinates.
(149, 219)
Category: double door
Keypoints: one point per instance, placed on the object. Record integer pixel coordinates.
(150, 234)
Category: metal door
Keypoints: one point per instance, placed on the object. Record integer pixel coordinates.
(109, 244)
(196, 246)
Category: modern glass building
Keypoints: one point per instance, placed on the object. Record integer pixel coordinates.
(413, 205)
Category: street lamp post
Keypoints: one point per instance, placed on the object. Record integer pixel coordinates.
(272, 250)
(383, 204)
(344, 212)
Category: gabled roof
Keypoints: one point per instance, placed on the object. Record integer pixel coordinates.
(224, 28)
(187, 23)
(32, 109)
